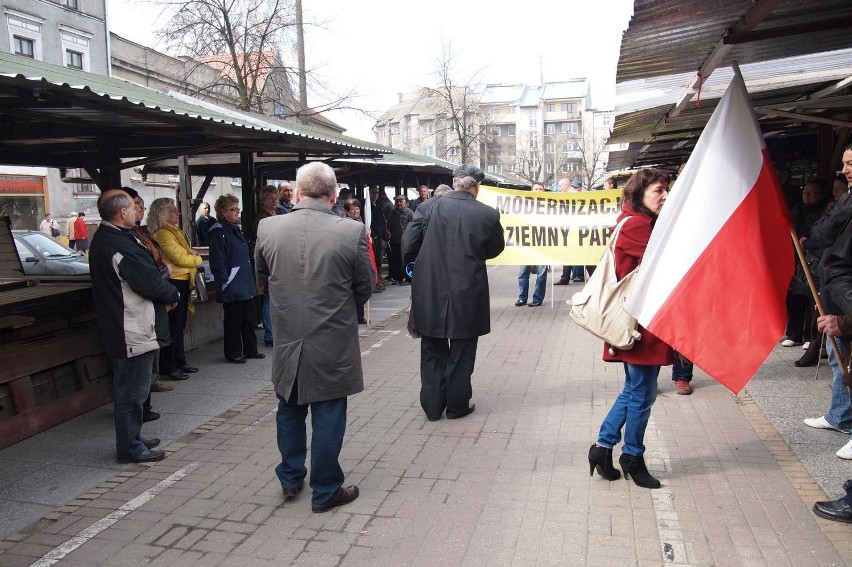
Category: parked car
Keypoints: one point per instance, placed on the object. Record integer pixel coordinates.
(42, 255)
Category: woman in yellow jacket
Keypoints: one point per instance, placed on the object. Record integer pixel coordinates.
(164, 225)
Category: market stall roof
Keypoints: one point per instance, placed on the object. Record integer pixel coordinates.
(408, 167)
(60, 117)
(676, 61)
(678, 36)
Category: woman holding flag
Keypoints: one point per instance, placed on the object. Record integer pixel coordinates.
(644, 195)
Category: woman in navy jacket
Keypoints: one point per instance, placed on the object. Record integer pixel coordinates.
(230, 263)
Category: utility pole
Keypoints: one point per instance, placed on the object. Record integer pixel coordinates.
(300, 49)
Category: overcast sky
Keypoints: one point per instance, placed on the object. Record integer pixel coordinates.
(383, 47)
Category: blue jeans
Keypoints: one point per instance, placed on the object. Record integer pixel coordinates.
(540, 283)
(131, 384)
(682, 369)
(631, 410)
(840, 413)
(328, 424)
(577, 273)
(267, 319)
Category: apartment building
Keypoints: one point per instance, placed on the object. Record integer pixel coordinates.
(73, 34)
(532, 133)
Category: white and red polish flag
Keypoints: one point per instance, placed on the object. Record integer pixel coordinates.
(714, 277)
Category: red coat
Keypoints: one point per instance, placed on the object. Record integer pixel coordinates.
(629, 249)
(81, 231)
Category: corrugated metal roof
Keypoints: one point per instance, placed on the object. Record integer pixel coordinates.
(677, 36)
(119, 90)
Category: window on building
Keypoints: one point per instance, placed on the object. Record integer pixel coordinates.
(570, 146)
(570, 127)
(548, 167)
(569, 107)
(496, 131)
(73, 59)
(24, 46)
(71, 4)
(550, 107)
(510, 151)
(280, 110)
(514, 168)
(429, 151)
(498, 169)
(427, 128)
(548, 148)
(511, 110)
(569, 166)
(550, 128)
(606, 120)
(510, 130)
(78, 188)
(454, 151)
(533, 120)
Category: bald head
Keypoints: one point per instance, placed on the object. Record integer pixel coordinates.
(116, 207)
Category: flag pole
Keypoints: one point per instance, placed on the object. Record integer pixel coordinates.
(800, 252)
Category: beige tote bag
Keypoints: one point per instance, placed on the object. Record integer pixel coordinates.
(599, 308)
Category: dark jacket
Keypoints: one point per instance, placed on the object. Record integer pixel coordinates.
(378, 223)
(131, 296)
(416, 203)
(825, 229)
(283, 208)
(202, 229)
(837, 270)
(629, 250)
(450, 296)
(230, 263)
(397, 221)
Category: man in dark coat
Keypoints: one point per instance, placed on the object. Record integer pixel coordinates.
(450, 298)
(316, 270)
(132, 303)
(837, 277)
(398, 219)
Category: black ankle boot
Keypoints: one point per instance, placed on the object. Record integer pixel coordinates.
(600, 458)
(811, 356)
(635, 467)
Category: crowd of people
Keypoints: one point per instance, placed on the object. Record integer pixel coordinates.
(439, 244)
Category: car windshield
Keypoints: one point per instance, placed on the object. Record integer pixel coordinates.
(48, 247)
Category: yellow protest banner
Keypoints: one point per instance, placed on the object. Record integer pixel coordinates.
(553, 228)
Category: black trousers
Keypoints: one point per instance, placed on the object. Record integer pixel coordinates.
(240, 327)
(446, 366)
(395, 261)
(173, 356)
(377, 252)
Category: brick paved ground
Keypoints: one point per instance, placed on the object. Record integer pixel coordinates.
(507, 485)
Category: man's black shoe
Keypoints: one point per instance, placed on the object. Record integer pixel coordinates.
(535, 304)
(455, 414)
(146, 457)
(238, 360)
(561, 282)
(150, 416)
(257, 355)
(520, 303)
(151, 443)
(835, 510)
(188, 369)
(344, 496)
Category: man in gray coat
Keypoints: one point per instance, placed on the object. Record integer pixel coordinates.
(315, 268)
(450, 299)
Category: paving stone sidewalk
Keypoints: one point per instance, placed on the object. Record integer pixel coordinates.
(507, 485)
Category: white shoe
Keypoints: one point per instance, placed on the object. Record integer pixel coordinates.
(821, 423)
(806, 345)
(845, 452)
(789, 343)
